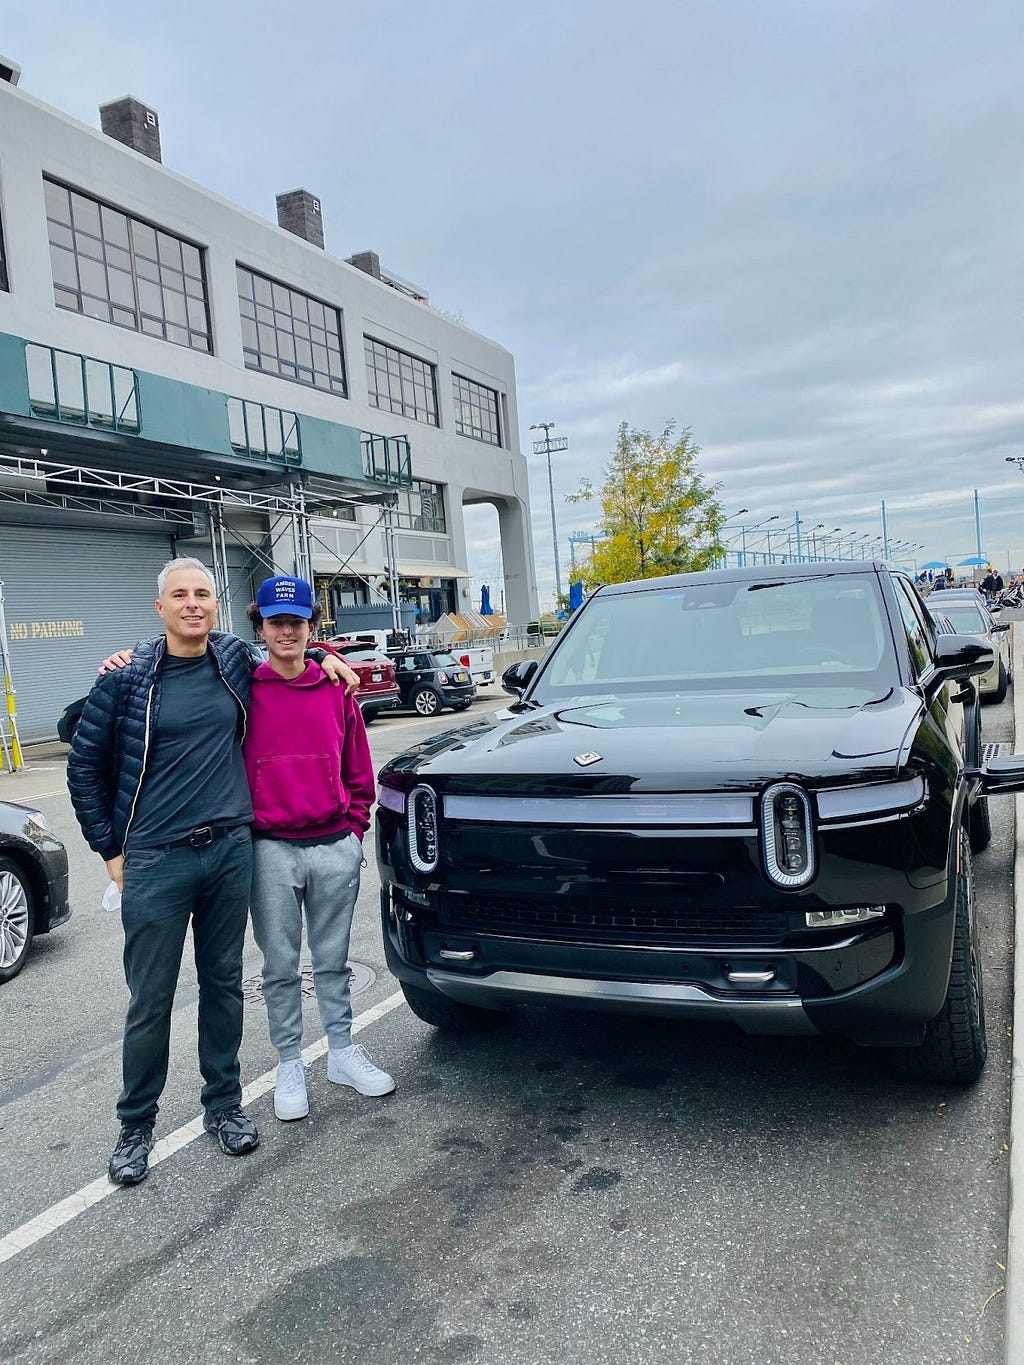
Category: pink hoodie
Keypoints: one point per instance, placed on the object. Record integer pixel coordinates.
(306, 757)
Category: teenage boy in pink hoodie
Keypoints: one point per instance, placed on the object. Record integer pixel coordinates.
(312, 785)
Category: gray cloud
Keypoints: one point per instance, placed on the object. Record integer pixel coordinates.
(792, 227)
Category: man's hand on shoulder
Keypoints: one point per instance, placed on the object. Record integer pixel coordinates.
(121, 659)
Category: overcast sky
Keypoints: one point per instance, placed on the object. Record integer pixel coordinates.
(791, 225)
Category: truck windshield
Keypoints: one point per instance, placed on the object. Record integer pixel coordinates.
(819, 631)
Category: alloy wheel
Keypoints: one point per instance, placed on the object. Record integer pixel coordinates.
(426, 702)
(14, 918)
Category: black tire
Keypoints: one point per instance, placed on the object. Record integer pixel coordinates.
(979, 823)
(1000, 693)
(460, 705)
(442, 1013)
(369, 717)
(955, 1045)
(426, 702)
(17, 918)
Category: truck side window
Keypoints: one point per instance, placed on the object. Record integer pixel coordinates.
(918, 639)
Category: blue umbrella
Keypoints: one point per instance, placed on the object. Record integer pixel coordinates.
(978, 561)
(485, 601)
(935, 564)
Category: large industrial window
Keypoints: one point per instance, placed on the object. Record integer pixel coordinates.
(421, 507)
(109, 265)
(476, 410)
(400, 383)
(290, 334)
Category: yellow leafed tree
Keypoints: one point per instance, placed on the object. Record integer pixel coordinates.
(658, 516)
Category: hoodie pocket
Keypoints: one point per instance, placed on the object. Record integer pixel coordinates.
(296, 791)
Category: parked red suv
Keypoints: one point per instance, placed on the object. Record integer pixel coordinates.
(378, 690)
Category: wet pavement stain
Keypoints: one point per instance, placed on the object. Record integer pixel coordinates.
(565, 1132)
(456, 1142)
(597, 1178)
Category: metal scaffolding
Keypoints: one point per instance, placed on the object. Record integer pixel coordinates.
(295, 503)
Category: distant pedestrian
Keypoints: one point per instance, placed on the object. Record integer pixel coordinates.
(312, 783)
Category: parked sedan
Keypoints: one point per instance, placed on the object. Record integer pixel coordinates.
(33, 884)
(967, 616)
(378, 690)
(748, 796)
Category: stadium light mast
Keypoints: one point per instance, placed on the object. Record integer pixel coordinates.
(545, 447)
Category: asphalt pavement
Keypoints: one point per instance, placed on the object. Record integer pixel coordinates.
(570, 1188)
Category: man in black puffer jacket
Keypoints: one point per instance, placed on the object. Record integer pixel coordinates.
(159, 788)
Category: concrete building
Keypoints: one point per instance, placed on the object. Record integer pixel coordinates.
(178, 375)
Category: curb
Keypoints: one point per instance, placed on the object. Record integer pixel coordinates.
(1015, 1222)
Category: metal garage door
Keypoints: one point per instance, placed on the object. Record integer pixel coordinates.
(72, 596)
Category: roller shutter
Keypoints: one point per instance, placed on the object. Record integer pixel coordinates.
(71, 596)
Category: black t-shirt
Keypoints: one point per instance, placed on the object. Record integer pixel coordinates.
(194, 770)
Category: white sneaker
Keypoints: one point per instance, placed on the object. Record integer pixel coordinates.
(290, 1098)
(351, 1066)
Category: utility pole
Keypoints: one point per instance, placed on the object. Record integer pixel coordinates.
(545, 447)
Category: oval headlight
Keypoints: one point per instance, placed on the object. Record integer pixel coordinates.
(787, 835)
(421, 823)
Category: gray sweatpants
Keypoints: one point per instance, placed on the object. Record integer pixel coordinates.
(323, 878)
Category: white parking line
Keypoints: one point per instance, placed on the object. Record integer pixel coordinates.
(58, 1214)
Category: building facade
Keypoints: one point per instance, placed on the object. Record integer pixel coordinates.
(178, 375)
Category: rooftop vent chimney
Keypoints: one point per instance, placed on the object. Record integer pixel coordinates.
(9, 71)
(368, 261)
(130, 121)
(298, 211)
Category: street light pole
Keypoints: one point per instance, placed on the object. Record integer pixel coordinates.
(545, 447)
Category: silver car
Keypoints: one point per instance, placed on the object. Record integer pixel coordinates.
(968, 615)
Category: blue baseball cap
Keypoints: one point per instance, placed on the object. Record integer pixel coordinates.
(285, 597)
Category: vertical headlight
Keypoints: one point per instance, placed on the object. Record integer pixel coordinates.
(787, 835)
(421, 823)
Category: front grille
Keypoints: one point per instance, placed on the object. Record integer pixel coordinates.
(661, 925)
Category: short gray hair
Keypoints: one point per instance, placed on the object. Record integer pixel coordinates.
(183, 563)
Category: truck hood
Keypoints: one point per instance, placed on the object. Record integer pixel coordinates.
(692, 741)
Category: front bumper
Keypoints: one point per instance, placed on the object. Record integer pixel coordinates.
(52, 863)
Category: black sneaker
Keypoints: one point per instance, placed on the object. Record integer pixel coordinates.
(129, 1164)
(234, 1130)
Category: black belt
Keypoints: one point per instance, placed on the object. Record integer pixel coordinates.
(203, 836)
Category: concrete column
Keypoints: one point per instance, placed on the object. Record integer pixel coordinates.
(517, 561)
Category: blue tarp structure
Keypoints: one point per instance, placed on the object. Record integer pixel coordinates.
(485, 601)
(575, 596)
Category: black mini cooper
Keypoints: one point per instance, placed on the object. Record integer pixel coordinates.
(749, 795)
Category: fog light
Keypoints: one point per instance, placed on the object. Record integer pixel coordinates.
(854, 914)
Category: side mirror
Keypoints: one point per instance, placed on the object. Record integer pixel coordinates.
(962, 656)
(999, 626)
(516, 679)
(1002, 776)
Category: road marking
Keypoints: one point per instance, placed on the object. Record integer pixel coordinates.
(28, 1234)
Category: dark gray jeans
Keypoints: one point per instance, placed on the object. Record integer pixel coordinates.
(163, 891)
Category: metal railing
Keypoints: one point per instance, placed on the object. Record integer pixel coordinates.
(65, 386)
(262, 432)
(387, 459)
